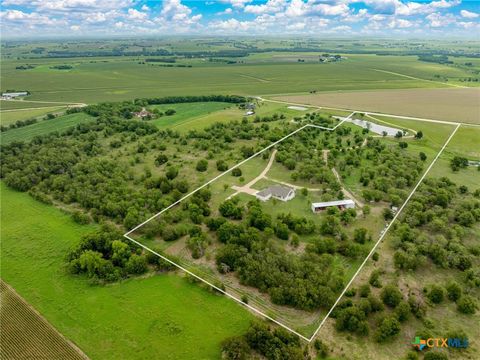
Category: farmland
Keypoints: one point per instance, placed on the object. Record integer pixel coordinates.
(42, 127)
(9, 117)
(35, 238)
(458, 105)
(25, 334)
(162, 117)
(114, 79)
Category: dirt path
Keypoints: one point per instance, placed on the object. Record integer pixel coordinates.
(345, 191)
(416, 78)
(247, 188)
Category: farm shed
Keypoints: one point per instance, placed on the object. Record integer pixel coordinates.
(341, 204)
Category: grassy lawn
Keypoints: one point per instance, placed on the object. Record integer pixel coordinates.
(20, 104)
(10, 117)
(163, 315)
(60, 123)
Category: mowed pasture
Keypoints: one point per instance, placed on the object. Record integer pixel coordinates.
(164, 315)
(123, 78)
(10, 117)
(187, 112)
(453, 104)
(24, 334)
(8, 105)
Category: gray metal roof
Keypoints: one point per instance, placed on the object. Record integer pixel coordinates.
(275, 190)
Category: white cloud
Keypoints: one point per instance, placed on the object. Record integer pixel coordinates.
(75, 27)
(134, 14)
(296, 26)
(271, 6)
(469, 25)
(236, 3)
(400, 24)
(438, 20)
(95, 18)
(468, 14)
(227, 11)
(230, 25)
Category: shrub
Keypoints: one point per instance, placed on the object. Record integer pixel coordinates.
(402, 311)
(237, 172)
(365, 290)
(235, 348)
(436, 294)
(435, 355)
(321, 348)
(202, 165)
(467, 305)
(374, 279)
(391, 296)
(387, 328)
(454, 291)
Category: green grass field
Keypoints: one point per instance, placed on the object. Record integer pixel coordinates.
(163, 315)
(9, 117)
(60, 123)
(187, 113)
(21, 104)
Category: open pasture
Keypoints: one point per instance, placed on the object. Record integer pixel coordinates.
(453, 104)
(35, 239)
(187, 113)
(43, 127)
(9, 117)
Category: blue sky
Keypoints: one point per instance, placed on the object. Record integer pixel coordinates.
(334, 18)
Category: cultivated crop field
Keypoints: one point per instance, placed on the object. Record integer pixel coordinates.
(114, 79)
(26, 335)
(452, 104)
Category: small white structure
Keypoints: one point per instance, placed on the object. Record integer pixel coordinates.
(341, 204)
(12, 95)
(283, 193)
(249, 112)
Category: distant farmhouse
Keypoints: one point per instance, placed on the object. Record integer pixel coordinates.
(250, 107)
(341, 204)
(283, 193)
(12, 95)
(142, 114)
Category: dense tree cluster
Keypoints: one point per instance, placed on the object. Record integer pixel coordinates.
(104, 256)
(435, 226)
(272, 344)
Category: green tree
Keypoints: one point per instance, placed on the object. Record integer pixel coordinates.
(436, 294)
(391, 296)
(467, 305)
(388, 328)
(120, 253)
(454, 291)
(202, 165)
(136, 265)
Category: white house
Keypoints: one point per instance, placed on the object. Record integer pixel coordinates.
(283, 193)
(341, 204)
(11, 95)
